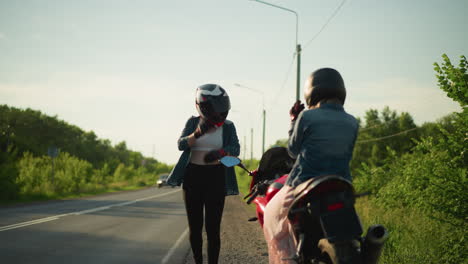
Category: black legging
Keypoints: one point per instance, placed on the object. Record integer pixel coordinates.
(204, 189)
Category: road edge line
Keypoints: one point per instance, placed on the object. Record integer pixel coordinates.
(174, 247)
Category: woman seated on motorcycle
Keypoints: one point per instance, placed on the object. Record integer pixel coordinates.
(322, 140)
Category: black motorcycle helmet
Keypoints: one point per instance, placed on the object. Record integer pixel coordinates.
(324, 84)
(212, 103)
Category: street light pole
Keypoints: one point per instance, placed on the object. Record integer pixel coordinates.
(298, 77)
(263, 137)
(245, 146)
(251, 144)
(298, 46)
(264, 111)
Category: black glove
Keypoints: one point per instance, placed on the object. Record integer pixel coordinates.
(214, 155)
(203, 127)
(296, 109)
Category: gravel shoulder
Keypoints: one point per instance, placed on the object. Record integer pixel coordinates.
(241, 241)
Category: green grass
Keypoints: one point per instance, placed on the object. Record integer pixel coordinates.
(414, 238)
(243, 179)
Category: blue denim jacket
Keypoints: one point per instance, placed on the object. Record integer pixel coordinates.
(322, 140)
(230, 145)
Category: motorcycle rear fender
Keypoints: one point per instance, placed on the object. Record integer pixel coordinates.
(318, 187)
(338, 218)
(328, 200)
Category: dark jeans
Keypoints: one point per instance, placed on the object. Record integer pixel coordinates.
(204, 189)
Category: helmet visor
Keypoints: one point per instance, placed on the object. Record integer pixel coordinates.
(221, 104)
(207, 110)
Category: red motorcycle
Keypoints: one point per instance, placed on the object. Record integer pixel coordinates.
(324, 221)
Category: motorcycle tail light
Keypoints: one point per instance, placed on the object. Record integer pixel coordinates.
(335, 206)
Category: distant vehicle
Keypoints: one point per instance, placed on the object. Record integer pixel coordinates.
(162, 180)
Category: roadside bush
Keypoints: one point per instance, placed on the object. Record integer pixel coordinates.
(71, 174)
(101, 176)
(429, 185)
(421, 195)
(34, 175)
(45, 176)
(371, 179)
(9, 190)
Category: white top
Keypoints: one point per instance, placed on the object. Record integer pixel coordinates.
(212, 140)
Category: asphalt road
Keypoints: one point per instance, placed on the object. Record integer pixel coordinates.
(145, 226)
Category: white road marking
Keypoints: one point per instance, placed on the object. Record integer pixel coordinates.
(97, 209)
(174, 247)
(43, 220)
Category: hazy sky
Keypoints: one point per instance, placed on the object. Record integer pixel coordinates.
(128, 69)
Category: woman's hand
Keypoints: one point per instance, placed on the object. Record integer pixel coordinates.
(296, 109)
(203, 127)
(214, 155)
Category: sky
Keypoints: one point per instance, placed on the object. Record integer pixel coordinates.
(128, 69)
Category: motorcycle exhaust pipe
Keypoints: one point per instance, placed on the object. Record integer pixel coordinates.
(373, 244)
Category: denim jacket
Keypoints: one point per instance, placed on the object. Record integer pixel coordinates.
(230, 145)
(322, 140)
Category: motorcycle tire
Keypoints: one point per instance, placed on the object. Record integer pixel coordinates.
(340, 253)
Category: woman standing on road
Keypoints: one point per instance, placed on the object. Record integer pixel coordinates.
(204, 140)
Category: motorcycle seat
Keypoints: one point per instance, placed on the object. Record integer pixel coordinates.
(308, 185)
(306, 188)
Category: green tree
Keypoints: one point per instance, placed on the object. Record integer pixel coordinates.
(373, 139)
(453, 80)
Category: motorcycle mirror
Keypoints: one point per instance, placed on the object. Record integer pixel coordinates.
(230, 161)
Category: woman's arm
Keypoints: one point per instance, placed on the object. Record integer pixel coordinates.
(232, 147)
(295, 138)
(187, 138)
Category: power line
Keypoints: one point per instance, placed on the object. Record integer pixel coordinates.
(325, 25)
(385, 137)
(286, 78)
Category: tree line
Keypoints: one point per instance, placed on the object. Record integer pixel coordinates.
(41, 155)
